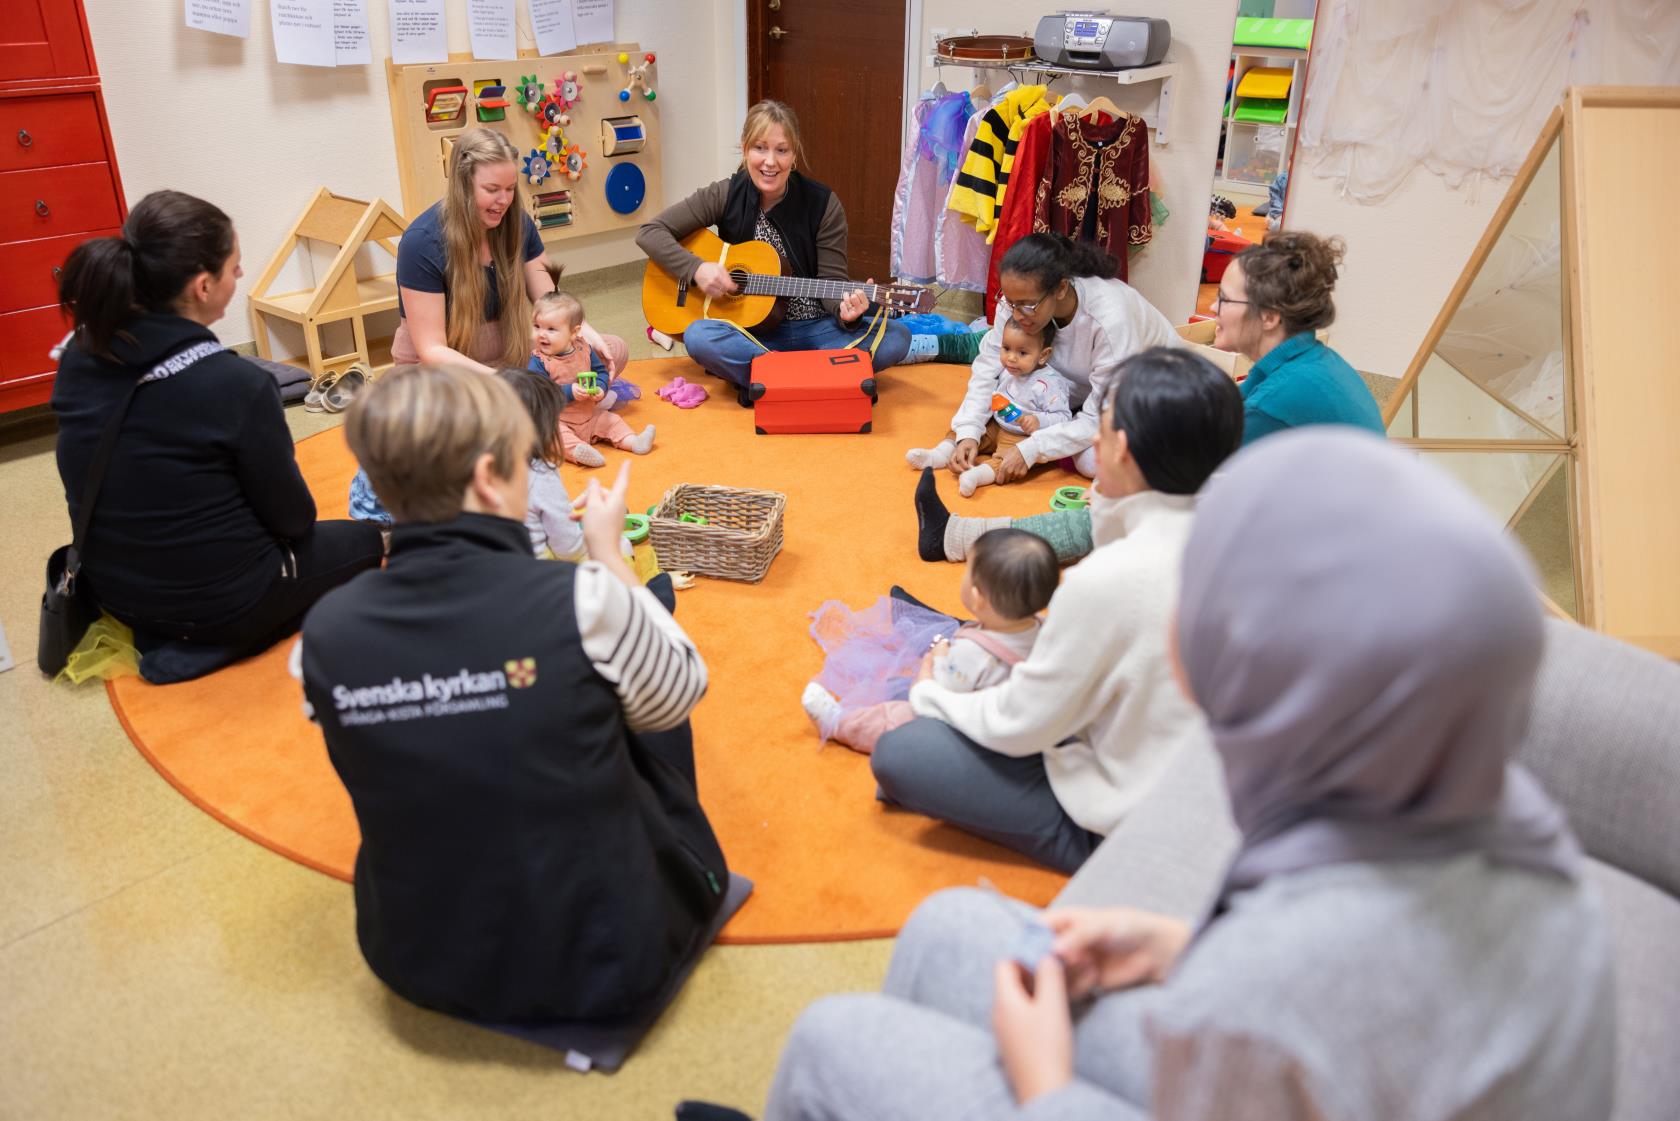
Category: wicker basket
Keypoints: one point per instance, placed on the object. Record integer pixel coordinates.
(742, 536)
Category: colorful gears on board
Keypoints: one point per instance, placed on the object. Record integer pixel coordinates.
(575, 161)
(538, 167)
(554, 143)
(529, 92)
(568, 89)
(551, 111)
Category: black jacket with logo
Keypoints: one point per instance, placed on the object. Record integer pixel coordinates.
(524, 856)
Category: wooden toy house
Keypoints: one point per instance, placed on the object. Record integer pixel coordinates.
(342, 294)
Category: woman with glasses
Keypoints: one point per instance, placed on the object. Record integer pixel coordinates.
(1100, 322)
(1270, 304)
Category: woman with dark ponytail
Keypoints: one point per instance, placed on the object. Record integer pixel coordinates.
(1100, 322)
(204, 538)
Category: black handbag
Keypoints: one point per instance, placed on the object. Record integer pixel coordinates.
(68, 607)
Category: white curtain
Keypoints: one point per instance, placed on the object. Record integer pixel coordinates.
(1462, 87)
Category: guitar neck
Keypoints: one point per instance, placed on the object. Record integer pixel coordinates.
(758, 284)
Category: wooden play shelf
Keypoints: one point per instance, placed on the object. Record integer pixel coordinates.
(345, 224)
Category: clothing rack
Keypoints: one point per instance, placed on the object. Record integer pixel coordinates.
(1033, 72)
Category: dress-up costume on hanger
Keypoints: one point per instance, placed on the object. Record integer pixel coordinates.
(1097, 186)
(925, 172)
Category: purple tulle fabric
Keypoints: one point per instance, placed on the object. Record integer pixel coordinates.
(873, 654)
(626, 390)
(942, 133)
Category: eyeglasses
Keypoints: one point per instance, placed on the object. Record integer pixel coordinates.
(1220, 300)
(1024, 309)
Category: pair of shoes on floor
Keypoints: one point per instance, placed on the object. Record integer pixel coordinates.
(333, 391)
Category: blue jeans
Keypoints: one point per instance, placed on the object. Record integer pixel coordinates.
(725, 350)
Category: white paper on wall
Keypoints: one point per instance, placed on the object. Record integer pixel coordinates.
(490, 23)
(418, 33)
(303, 32)
(350, 32)
(592, 20)
(224, 17)
(551, 23)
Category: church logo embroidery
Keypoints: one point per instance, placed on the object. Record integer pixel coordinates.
(521, 672)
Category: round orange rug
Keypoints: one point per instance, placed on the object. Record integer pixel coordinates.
(829, 861)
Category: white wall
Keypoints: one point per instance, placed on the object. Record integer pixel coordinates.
(219, 118)
(1404, 255)
(1168, 270)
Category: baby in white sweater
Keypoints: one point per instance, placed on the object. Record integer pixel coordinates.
(1030, 395)
(1010, 578)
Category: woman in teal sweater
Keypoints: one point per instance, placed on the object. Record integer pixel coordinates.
(1270, 304)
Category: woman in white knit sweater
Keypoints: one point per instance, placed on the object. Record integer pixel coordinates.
(1100, 322)
(1048, 762)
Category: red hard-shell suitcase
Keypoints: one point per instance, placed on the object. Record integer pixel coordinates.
(812, 391)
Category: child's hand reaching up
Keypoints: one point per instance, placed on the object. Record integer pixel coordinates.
(601, 512)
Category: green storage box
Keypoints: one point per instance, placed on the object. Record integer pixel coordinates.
(1253, 31)
(1265, 110)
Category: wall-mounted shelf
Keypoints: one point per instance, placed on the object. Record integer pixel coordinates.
(1158, 118)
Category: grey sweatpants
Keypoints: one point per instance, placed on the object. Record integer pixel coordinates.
(923, 1049)
(931, 768)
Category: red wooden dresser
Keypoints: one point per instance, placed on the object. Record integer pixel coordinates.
(58, 181)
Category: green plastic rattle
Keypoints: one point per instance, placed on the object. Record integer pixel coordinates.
(1070, 498)
(636, 528)
(586, 379)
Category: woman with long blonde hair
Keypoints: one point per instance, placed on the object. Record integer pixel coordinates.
(767, 199)
(467, 271)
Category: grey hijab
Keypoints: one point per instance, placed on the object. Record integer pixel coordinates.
(1364, 642)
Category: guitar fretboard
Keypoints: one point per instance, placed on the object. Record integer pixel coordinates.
(757, 284)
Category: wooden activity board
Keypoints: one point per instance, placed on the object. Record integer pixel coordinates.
(610, 144)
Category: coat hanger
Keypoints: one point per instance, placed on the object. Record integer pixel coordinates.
(1100, 105)
(980, 93)
(1070, 102)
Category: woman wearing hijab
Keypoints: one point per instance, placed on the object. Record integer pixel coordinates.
(1403, 932)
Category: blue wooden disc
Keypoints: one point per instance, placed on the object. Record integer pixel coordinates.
(626, 188)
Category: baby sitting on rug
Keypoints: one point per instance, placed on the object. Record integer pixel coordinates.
(1030, 395)
(1010, 578)
(558, 352)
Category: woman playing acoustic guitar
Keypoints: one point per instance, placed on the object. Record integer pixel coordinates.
(768, 200)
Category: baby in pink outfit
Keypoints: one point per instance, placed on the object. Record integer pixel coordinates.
(557, 351)
(1010, 578)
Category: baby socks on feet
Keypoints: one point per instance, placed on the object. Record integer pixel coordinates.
(585, 456)
(975, 478)
(821, 706)
(923, 348)
(641, 443)
(937, 456)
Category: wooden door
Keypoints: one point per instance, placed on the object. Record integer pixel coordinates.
(42, 39)
(840, 65)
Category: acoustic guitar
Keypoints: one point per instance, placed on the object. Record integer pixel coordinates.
(757, 269)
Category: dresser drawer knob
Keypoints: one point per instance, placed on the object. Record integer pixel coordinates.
(24, 139)
(41, 207)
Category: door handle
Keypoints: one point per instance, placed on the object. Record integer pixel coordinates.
(776, 33)
(41, 207)
(24, 139)
(774, 5)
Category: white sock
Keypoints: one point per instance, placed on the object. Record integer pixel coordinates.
(642, 443)
(923, 348)
(1086, 463)
(585, 456)
(937, 456)
(975, 478)
(820, 705)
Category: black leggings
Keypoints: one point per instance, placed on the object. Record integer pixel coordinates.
(315, 564)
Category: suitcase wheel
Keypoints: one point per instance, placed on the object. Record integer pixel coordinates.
(868, 425)
(868, 387)
(755, 391)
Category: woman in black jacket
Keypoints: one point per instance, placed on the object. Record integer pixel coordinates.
(203, 537)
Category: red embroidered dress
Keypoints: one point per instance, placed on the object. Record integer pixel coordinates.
(1097, 185)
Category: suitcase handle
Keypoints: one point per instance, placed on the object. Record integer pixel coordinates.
(850, 358)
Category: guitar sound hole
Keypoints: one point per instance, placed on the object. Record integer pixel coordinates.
(739, 276)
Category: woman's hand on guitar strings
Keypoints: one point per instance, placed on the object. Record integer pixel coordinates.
(712, 279)
(854, 303)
